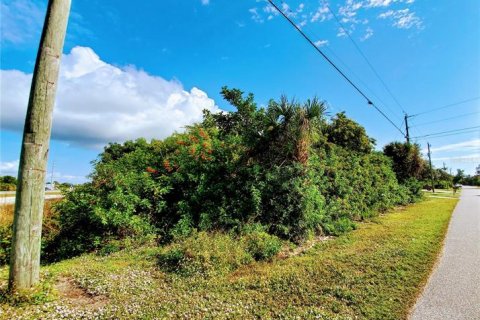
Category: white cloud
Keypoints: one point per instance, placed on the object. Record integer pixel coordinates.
(270, 9)
(470, 158)
(99, 103)
(255, 16)
(351, 13)
(300, 8)
(268, 12)
(9, 168)
(348, 12)
(21, 21)
(321, 14)
(402, 19)
(321, 43)
(205, 2)
(344, 32)
(378, 3)
(62, 177)
(386, 14)
(385, 3)
(461, 146)
(368, 34)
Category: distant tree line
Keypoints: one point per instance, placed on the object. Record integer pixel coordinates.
(470, 180)
(8, 183)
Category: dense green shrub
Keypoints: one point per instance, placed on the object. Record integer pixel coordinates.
(348, 134)
(261, 245)
(119, 203)
(5, 243)
(406, 160)
(284, 167)
(413, 189)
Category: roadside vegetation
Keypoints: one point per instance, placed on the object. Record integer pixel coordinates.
(287, 171)
(49, 229)
(251, 213)
(8, 183)
(374, 272)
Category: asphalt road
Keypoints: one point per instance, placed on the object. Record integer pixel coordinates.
(453, 290)
(11, 200)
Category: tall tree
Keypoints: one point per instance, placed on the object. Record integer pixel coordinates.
(27, 225)
(348, 134)
(459, 177)
(406, 159)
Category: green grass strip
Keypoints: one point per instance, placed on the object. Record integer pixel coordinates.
(374, 272)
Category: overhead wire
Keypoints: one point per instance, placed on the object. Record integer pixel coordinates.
(335, 66)
(445, 119)
(340, 60)
(447, 135)
(423, 137)
(445, 132)
(446, 106)
(357, 47)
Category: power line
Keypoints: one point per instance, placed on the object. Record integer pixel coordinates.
(358, 78)
(446, 106)
(332, 52)
(447, 135)
(333, 65)
(449, 131)
(445, 119)
(365, 58)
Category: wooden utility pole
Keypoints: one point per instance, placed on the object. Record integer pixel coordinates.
(431, 170)
(407, 129)
(27, 223)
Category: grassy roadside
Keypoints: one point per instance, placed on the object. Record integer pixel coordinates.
(442, 193)
(7, 211)
(374, 272)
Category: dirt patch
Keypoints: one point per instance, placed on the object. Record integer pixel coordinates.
(75, 295)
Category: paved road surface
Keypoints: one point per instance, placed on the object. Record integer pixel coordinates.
(453, 290)
(11, 200)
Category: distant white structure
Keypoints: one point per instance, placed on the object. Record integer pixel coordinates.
(49, 186)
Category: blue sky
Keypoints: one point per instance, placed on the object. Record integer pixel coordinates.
(148, 68)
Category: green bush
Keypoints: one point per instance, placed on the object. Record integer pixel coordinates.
(413, 189)
(204, 254)
(284, 167)
(261, 245)
(5, 243)
(8, 183)
(406, 160)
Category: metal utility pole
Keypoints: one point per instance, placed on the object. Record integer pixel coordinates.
(431, 171)
(406, 129)
(27, 223)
